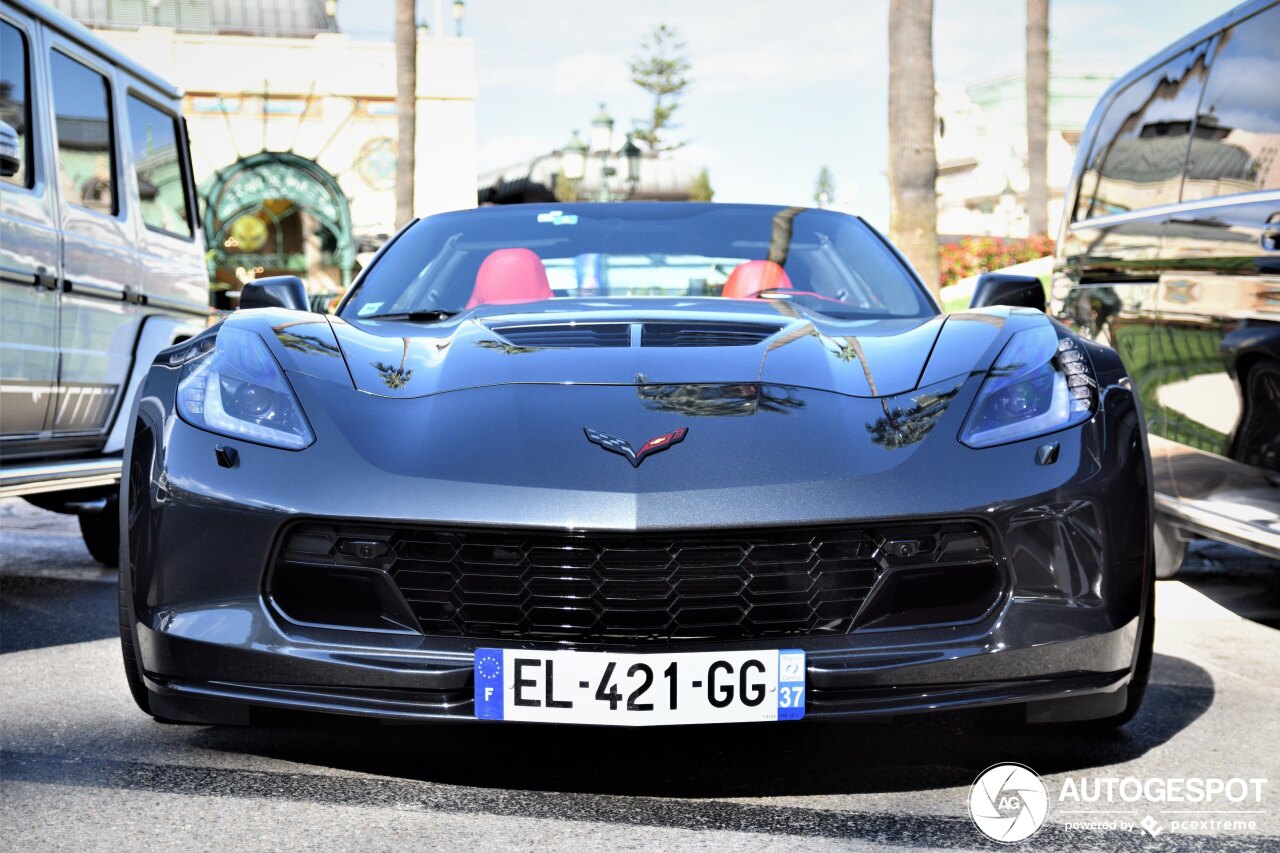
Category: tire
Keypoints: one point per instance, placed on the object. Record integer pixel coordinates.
(138, 520)
(101, 533)
(1257, 441)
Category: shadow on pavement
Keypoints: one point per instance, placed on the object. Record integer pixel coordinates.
(47, 611)
(1245, 583)
(908, 754)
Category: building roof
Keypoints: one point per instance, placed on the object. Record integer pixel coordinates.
(1162, 158)
(276, 18)
(73, 29)
(661, 179)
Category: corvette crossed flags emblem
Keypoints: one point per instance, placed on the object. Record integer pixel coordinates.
(617, 445)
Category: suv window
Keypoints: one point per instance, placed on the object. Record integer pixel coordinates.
(1237, 146)
(86, 144)
(1140, 146)
(15, 96)
(162, 192)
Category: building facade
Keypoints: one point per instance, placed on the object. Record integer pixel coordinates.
(604, 167)
(981, 139)
(292, 125)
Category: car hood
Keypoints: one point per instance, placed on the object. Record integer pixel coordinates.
(649, 342)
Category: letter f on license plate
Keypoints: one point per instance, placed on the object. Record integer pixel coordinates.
(604, 688)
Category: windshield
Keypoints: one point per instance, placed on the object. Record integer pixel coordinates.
(827, 262)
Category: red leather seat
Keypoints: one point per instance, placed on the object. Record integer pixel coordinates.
(750, 278)
(510, 275)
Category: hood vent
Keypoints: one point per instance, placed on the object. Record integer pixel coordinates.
(652, 334)
(705, 334)
(567, 335)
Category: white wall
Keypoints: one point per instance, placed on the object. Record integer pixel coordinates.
(336, 71)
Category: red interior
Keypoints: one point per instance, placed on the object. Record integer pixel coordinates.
(751, 278)
(510, 275)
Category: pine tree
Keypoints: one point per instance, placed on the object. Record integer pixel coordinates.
(700, 189)
(660, 70)
(824, 191)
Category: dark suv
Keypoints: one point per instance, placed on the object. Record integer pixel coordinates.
(1170, 252)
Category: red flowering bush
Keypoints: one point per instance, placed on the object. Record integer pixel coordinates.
(975, 255)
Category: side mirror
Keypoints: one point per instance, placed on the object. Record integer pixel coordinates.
(10, 161)
(1017, 291)
(277, 291)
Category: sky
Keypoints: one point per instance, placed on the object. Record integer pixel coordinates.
(779, 90)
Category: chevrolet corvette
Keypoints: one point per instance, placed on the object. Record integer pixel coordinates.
(636, 464)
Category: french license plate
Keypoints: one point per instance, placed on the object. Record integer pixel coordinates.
(605, 688)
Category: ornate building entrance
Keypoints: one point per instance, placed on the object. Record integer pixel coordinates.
(277, 213)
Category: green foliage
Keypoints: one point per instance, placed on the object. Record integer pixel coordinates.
(566, 189)
(903, 427)
(700, 189)
(975, 255)
(824, 191)
(660, 70)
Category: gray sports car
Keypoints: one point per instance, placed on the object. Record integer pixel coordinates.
(637, 464)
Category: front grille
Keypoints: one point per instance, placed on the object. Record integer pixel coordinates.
(634, 587)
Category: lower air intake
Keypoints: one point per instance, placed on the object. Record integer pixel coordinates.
(641, 587)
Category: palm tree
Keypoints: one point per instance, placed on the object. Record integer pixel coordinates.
(311, 344)
(395, 378)
(913, 164)
(718, 400)
(1038, 115)
(406, 39)
(900, 428)
(503, 346)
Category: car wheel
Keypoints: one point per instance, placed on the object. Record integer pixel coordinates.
(1258, 437)
(139, 507)
(101, 533)
(1170, 550)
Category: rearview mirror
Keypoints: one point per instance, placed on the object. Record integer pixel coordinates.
(277, 291)
(10, 161)
(1017, 291)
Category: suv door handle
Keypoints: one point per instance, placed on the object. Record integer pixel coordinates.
(44, 279)
(1271, 234)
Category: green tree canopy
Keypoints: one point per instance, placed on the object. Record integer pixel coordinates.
(700, 189)
(661, 70)
(824, 191)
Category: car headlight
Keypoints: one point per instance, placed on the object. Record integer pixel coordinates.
(238, 389)
(1040, 383)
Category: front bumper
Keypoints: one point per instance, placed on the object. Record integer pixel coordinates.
(1072, 538)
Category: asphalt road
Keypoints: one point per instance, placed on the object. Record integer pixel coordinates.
(82, 768)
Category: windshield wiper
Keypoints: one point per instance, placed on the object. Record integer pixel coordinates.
(412, 316)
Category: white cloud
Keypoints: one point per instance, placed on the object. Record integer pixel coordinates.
(744, 69)
(701, 155)
(591, 74)
(507, 150)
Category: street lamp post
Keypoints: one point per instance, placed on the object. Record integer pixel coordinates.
(632, 152)
(573, 163)
(602, 146)
(576, 154)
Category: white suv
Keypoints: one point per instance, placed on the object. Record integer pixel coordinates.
(101, 258)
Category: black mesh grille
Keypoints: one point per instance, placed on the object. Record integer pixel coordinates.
(635, 587)
(705, 334)
(653, 334)
(568, 335)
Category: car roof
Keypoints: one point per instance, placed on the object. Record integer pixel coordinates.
(75, 30)
(1211, 28)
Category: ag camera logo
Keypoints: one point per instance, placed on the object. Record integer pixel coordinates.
(1008, 802)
